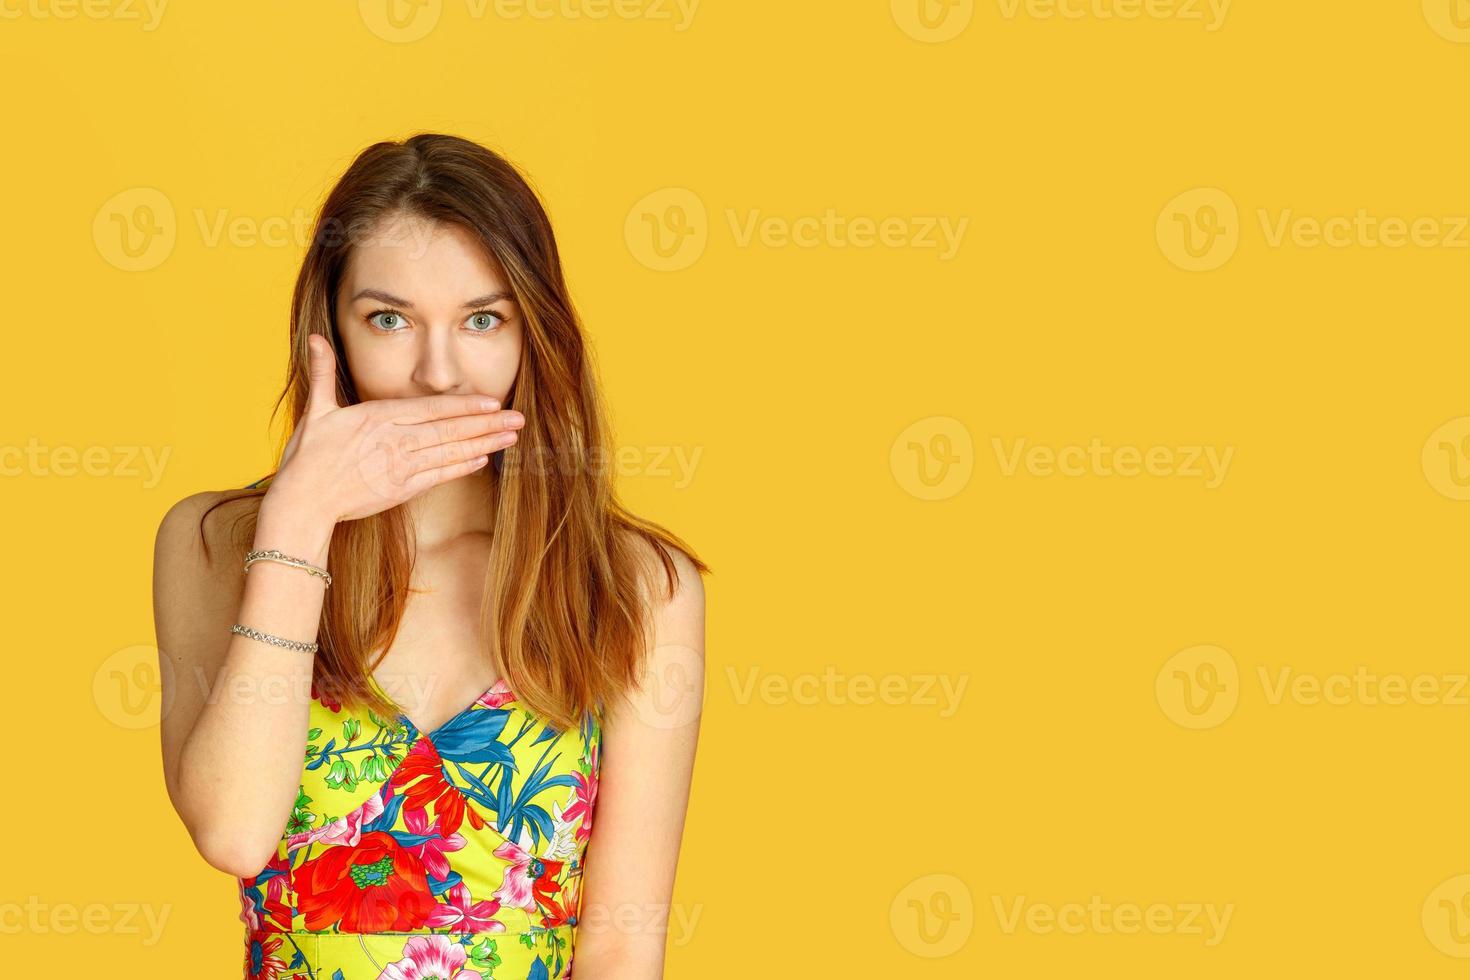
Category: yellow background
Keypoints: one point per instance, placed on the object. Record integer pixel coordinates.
(842, 404)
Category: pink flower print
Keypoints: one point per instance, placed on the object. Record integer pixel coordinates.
(515, 890)
(499, 694)
(585, 800)
(457, 909)
(343, 830)
(530, 881)
(277, 914)
(248, 915)
(431, 851)
(430, 958)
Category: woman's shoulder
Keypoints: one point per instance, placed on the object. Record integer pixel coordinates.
(667, 574)
(199, 552)
(205, 526)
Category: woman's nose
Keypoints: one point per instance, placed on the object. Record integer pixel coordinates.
(437, 366)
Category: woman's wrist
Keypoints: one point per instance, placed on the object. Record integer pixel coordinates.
(294, 527)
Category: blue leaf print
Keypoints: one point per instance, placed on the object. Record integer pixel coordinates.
(386, 819)
(407, 839)
(473, 737)
(538, 970)
(439, 887)
(323, 755)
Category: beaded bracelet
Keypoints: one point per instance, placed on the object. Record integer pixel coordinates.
(256, 634)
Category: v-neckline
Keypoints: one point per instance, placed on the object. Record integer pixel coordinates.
(429, 734)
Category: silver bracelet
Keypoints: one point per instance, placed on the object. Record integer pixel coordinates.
(285, 559)
(256, 634)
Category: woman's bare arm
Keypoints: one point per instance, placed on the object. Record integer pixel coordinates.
(234, 729)
(647, 761)
(237, 709)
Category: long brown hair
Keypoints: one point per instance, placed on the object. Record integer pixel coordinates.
(565, 587)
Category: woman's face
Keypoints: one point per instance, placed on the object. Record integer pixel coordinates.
(423, 310)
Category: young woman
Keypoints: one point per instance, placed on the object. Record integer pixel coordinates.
(437, 714)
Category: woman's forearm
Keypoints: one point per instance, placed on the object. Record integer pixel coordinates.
(239, 768)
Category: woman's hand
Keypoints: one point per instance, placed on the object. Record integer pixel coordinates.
(350, 462)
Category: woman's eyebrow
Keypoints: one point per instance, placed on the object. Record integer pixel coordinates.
(384, 297)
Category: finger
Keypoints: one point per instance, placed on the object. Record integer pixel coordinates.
(322, 372)
(439, 431)
(424, 479)
(449, 453)
(431, 407)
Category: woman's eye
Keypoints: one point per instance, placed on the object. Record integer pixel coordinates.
(485, 322)
(391, 321)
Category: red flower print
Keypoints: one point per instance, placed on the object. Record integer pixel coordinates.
(326, 699)
(420, 778)
(552, 914)
(377, 886)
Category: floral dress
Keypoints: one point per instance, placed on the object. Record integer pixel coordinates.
(454, 854)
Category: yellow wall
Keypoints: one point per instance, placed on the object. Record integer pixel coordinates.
(1071, 399)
